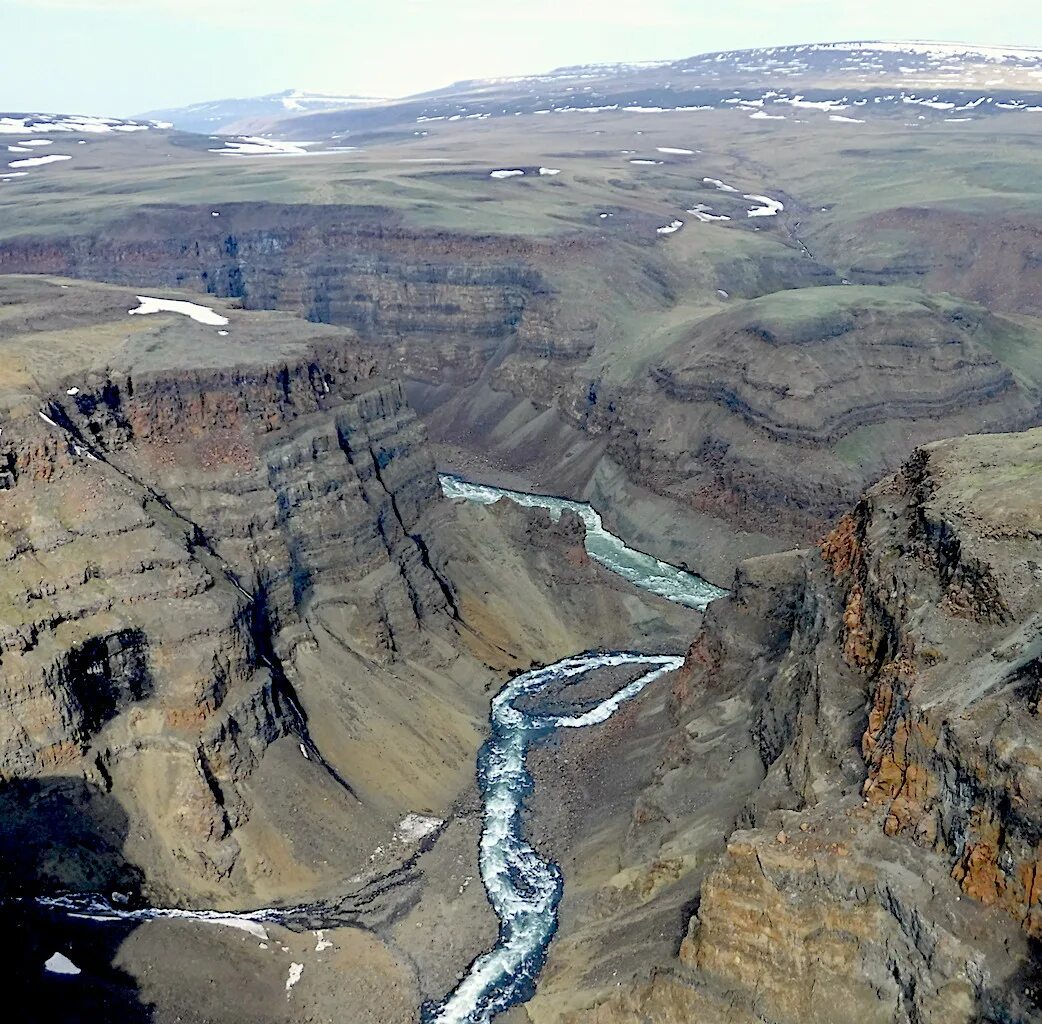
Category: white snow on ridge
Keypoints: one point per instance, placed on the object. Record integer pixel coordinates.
(846, 120)
(549, 171)
(254, 145)
(762, 115)
(676, 152)
(37, 161)
(296, 971)
(297, 99)
(507, 173)
(803, 104)
(41, 124)
(201, 314)
(671, 228)
(938, 49)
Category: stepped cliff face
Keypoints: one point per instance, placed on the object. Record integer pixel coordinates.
(173, 539)
(865, 716)
(228, 582)
(524, 331)
(440, 304)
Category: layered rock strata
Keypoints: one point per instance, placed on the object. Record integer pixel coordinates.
(874, 704)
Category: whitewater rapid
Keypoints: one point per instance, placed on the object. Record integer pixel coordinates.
(523, 889)
(640, 569)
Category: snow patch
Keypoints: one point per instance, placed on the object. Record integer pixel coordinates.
(254, 145)
(770, 208)
(59, 963)
(295, 972)
(39, 161)
(414, 827)
(705, 213)
(676, 152)
(549, 171)
(721, 185)
(201, 314)
(253, 928)
(671, 228)
(515, 173)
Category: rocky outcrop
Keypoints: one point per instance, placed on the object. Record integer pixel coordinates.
(777, 414)
(882, 862)
(173, 538)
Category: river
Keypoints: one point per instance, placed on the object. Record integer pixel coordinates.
(640, 569)
(523, 889)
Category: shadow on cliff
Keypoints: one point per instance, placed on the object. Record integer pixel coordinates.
(56, 835)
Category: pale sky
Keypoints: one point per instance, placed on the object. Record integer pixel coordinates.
(125, 56)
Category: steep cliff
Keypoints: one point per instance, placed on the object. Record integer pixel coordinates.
(440, 304)
(860, 722)
(235, 604)
(534, 337)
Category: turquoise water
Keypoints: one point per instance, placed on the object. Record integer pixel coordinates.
(640, 569)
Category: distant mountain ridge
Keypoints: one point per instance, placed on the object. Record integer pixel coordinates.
(944, 76)
(230, 115)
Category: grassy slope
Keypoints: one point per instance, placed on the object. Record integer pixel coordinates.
(646, 291)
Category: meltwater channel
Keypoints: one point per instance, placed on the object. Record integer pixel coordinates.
(523, 889)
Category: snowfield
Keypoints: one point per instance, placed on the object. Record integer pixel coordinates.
(201, 314)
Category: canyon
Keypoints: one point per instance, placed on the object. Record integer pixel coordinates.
(403, 436)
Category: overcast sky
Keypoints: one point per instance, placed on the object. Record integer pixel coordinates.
(126, 56)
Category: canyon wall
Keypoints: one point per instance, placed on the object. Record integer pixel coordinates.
(872, 706)
(167, 535)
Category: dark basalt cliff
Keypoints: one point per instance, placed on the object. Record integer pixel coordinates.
(866, 715)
